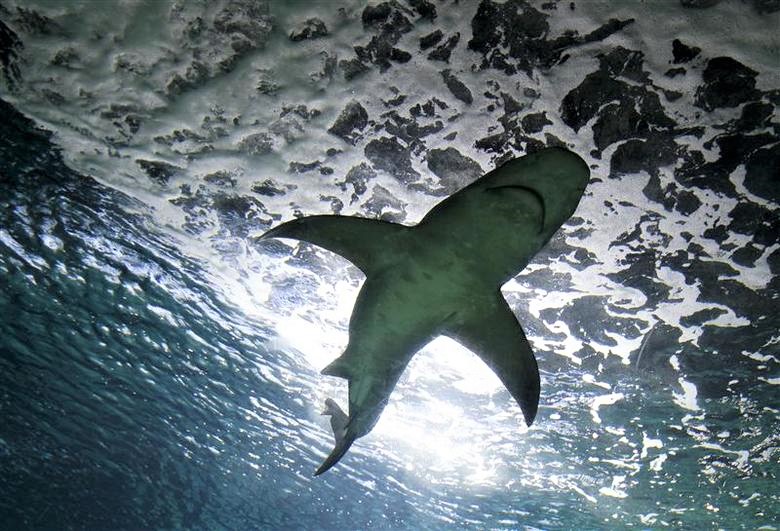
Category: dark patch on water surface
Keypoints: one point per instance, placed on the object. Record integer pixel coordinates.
(352, 120)
(727, 83)
(313, 28)
(10, 46)
(522, 30)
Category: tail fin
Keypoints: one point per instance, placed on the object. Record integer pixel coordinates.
(338, 419)
(338, 422)
(342, 445)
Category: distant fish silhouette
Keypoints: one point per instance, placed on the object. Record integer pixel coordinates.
(443, 277)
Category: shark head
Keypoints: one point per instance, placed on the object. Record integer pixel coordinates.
(557, 175)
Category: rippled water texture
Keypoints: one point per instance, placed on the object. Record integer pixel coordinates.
(159, 367)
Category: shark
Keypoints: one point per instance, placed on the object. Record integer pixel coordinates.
(443, 276)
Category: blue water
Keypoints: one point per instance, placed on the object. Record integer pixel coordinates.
(125, 384)
(159, 367)
(132, 396)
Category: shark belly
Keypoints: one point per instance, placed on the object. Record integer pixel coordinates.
(396, 314)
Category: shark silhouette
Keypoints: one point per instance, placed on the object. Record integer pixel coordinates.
(443, 277)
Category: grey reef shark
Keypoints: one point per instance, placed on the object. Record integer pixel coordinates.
(443, 276)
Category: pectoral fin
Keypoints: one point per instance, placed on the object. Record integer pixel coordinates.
(364, 242)
(492, 332)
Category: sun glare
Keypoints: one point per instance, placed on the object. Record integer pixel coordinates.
(443, 417)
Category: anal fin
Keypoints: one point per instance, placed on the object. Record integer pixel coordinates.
(337, 367)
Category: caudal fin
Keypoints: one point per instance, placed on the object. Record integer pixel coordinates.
(338, 419)
(342, 445)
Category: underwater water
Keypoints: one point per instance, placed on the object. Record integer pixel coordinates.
(159, 365)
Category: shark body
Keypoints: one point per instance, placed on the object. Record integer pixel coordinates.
(443, 277)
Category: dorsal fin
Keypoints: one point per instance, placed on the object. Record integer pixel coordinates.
(367, 243)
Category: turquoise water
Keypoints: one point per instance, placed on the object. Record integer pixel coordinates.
(133, 396)
(125, 382)
(159, 366)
